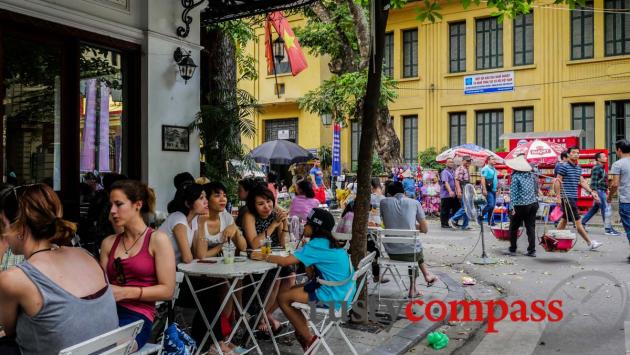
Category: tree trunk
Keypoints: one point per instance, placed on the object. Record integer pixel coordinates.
(219, 78)
(387, 142)
(358, 244)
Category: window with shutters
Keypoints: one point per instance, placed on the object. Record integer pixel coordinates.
(524, 39)
(410, 53)
(388, 55)
(457, 128)
(583, 117)
(489, 128)
(523, 119)
(489, 43)
(410, 138)
(457, 47)
(617, 27)
(582, 32)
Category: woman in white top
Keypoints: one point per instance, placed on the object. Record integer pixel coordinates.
(181, 225)
(216, 229)
(218, 226)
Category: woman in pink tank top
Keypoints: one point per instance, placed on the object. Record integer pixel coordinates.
(140, 262)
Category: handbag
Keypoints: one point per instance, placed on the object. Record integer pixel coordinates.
(177, 342)
(556, 214)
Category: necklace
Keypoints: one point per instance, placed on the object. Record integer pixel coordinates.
(53, 247)
(134, 242)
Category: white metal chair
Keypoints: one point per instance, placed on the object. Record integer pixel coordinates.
(150, 348)
(327, 324)
(119, 341)
(342, 237)
(396, 236)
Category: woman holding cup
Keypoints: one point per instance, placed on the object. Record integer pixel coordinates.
(218, 227)
(217, 234)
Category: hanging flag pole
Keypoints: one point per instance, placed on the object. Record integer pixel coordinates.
(271, 64)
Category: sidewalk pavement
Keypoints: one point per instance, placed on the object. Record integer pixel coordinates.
(373, 338)
(593, 286)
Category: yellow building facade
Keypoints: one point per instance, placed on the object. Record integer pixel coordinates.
(570, 70)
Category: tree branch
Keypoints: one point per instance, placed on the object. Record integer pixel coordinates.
(345, 63)
(322, 12)
(362, 31)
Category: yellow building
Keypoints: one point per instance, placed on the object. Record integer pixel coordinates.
(569, 69)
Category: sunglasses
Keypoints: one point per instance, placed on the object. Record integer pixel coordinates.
(120, 272)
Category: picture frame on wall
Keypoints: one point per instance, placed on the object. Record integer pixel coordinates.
(175, 138)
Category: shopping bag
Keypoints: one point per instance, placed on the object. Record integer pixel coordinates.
(177, 342)
(556, 214)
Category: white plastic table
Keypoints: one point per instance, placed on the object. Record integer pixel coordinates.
(232, 274)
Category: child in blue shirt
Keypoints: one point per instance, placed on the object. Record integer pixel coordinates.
(331, 261)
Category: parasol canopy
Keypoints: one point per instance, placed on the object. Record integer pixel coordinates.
(537, 151)
(477, 153)
(280, 152)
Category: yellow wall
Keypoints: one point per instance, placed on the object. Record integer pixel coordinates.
(311, 133)
(552, 67)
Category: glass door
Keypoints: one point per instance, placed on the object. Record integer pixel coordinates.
(31, 121)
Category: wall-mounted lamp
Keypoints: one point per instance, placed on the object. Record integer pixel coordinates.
(326, 119)
(278, 49)
(186, 64)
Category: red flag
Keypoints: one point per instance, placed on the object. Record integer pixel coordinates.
(268, 49)
(291, 44)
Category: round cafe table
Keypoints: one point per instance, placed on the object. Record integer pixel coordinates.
(232, 274)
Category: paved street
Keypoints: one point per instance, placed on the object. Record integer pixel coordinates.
(592, 284)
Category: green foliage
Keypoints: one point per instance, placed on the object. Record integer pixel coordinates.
(377, 165)
(500, 149)
(325, 156)
(224, 118)
(241, 31)
(321, 38)
(426, 158)
(339, 95)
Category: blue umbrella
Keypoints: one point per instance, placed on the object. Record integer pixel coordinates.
(280, 152)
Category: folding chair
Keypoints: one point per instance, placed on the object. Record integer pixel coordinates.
(342, 237)
(396, 236)
(150, 348)
(327, 324)
(117, 342)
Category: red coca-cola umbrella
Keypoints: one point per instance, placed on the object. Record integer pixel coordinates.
(537, 151)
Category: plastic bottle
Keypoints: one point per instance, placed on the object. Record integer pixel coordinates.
(608, 217)
(437, 340)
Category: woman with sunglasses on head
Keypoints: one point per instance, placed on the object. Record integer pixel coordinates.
(140, 262)
(261, 223)
(44, 302)
(181, 224)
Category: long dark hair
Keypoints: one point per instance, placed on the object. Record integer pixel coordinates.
(322, 233)
(184, 200)
(306, 188)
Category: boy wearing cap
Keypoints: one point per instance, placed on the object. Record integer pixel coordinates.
(323, 255)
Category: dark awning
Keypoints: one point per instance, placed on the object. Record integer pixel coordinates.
(224, 10)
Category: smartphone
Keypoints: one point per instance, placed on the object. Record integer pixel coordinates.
(207, 261)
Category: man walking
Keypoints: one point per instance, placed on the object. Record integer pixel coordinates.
(524, 203)
(449, 204)
(462, 178)
(599, 183)
(620, 172)
(566, 186)
(489, 182)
